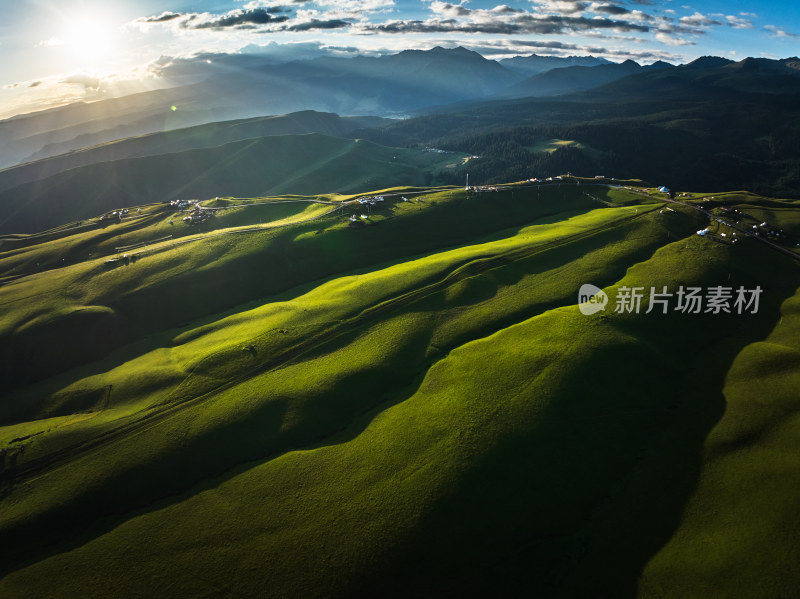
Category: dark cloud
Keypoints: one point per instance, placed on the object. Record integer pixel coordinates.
(504, 9)
(455, 9)
(611, 9)
(521, 24)
(35, 84)
(235, 18)
(162, 18)
(315, 24)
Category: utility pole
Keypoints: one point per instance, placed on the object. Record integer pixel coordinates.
(467, 187)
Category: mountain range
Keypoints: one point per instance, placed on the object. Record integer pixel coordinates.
(535, 63)
(712, 123)
(247, 86)
(577, 78)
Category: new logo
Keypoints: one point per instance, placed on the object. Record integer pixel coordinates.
(591, 299)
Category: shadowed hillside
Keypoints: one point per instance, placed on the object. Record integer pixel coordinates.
(277, 398)
(303, 164)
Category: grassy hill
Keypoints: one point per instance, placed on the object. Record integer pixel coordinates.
(305, 164)
(278, 400)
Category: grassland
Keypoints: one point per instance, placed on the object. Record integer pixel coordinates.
(273, 164)
(275, 403)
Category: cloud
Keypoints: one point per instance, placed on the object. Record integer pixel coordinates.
(514, 47)
(739, 22)
(780, 32)
(518, 23)
(671, 33)
(610, 9)
(164, 17)
(276, 53)
(235, 18)
(50, 43)
(268, 17)
(268, 4)
(89, 82)
(203, 64)
(698, 20)
(672, 40)
(638, 15)
(504, 9)
(449, 10)
(567, 7)
(608, 20)
(357, 8)
(35, 84)
(242, 18)
(446, 9)
(315, 24)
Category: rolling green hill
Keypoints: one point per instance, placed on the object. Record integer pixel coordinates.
(305, 164)
(276, 402)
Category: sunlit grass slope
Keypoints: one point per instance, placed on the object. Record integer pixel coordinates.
(308, 164)
(299, 408)
(177, 281)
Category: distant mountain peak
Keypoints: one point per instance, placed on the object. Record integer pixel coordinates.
(792, 63)
(456, 50)
(534, 64)
(708, 62)
(751, 63)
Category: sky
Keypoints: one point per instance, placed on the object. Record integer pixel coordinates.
(57, 51)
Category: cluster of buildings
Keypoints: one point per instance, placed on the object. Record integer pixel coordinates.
(769, 232)
(183, 204)
(356, 223)
(537, 180)
(733, 212)
(116, 215)
(198, 215)
(371, 201)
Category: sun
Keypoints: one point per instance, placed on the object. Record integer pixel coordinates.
(90, 40)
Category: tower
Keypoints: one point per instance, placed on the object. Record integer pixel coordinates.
(467, 187)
